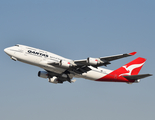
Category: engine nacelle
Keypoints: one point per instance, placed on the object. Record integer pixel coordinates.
(94, 61)
(53, 80)
(43, 74)
(65, 64)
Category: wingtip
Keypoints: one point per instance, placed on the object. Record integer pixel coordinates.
(133, 53)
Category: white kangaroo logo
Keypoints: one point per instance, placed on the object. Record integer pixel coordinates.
(131, 68)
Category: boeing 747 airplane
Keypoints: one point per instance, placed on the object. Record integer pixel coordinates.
(59, 69)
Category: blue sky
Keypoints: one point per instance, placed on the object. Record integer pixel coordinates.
(77, 30)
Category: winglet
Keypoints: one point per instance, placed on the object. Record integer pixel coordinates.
(133, 53)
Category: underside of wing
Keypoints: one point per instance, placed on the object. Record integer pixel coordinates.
(79, 69)
(71, 66)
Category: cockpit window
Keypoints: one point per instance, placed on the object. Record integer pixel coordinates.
(17, 45)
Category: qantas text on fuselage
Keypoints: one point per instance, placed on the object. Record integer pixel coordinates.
(59, 69)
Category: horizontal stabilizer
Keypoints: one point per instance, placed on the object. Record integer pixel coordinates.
(136, 77)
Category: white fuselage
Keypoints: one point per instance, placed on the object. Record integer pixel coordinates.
(40, 58)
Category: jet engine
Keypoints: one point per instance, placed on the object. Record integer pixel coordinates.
(43, 74)
(94, 61)
(65, 64)
(53, 80)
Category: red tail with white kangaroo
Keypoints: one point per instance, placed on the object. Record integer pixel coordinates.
(127, 73)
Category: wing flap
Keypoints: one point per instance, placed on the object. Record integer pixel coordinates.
(80, 69)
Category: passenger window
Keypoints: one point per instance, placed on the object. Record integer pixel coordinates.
(17, 45)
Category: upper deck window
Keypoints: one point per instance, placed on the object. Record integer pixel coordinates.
(17, 45)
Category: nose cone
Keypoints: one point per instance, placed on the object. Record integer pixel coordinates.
(6, 50)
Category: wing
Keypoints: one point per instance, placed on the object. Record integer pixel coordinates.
(115, 57)
(70, 66)
(96, 62)
(82, 66)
